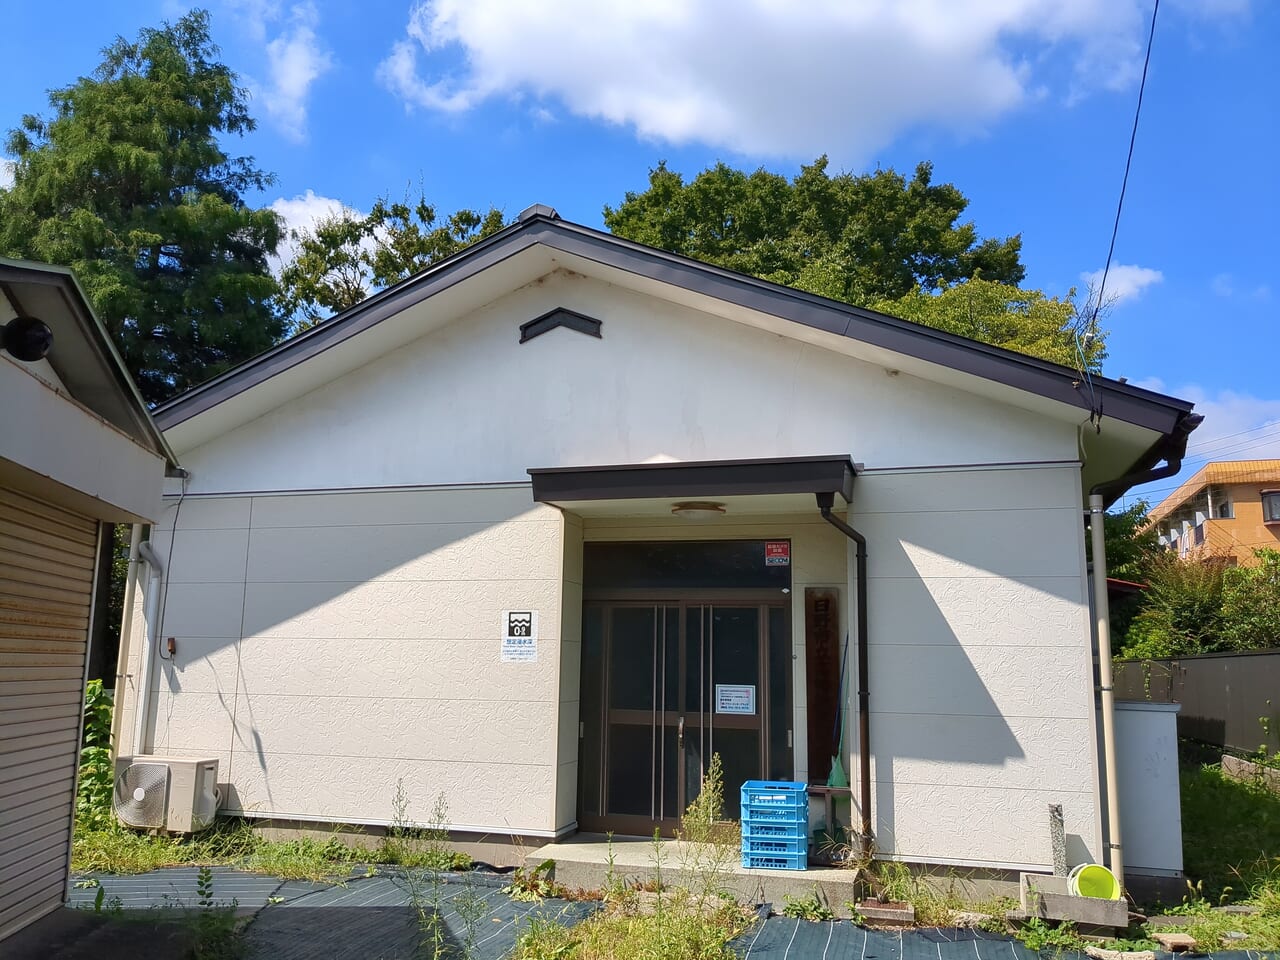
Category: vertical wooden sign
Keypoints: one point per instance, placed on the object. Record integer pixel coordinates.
(821, 676)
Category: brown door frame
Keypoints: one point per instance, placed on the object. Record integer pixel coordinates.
(662, 718)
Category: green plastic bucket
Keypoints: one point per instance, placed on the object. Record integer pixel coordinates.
(1094, 880)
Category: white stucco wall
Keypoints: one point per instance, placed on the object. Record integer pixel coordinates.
(980, 665)
(469, 403)
(330, 643)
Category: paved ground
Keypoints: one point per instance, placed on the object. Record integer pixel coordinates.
(364, 916)
(371, 917)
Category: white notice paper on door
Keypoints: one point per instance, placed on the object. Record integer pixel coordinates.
(736, 698)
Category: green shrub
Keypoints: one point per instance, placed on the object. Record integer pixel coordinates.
(1182, 609)
(1251, 604)
(93, 793)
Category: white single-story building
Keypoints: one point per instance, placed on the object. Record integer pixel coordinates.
(78, 452)
(543, 527)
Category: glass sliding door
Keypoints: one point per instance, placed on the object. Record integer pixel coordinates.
(667, 684)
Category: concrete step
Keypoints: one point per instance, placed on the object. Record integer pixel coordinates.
(583, 861)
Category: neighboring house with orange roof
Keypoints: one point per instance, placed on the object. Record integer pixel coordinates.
(1229, 508)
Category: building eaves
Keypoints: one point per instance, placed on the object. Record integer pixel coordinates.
(98, 368)
(1119, 400)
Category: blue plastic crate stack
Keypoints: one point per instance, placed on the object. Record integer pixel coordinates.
(775, 825)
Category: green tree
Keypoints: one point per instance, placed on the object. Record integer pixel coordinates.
(346, 257)
(1251, 604)
(1006, 316)
(876, 240)
(857, 238)
(1132, 546)
(127, 182)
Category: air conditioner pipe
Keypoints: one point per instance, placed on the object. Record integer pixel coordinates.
(126, 635)
(151, 633)
(1171, 450)
(825, 503)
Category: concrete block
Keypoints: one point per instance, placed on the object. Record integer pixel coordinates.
(895, 912)
(1251, 772)
(1101, 953)
(1175, 942)
(1047, 897)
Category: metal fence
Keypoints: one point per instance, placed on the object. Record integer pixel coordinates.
(1228, 699)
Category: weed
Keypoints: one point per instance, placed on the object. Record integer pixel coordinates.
(471, 908)
(1039, 936)
(709, 845)
(812, 907)
(411, 845)
(215, 936)
(97, 778)
(530, 884)
(1230, 833)
(691, 919)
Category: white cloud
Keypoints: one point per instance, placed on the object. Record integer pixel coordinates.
(6, 173)
(301, 213)
(1224, 285)
(294, 57)
(1124, 282)
(767, 77)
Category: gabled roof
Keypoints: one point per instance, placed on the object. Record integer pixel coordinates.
(83, 356)
(541, 226)
(1219, 473)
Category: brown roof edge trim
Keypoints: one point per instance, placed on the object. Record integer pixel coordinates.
(692, 479)
(1121, 401)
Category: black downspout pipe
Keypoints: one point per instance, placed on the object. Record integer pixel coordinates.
(1171, 451)
(825, 503)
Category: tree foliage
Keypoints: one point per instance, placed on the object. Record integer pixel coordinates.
(877, 240)
(1206, 606)
(346, 257)
(1251, 604)
(858, 238)
(1132, 545)
(1005, 316)
(127, 182)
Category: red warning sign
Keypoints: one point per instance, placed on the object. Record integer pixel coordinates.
(777, 553)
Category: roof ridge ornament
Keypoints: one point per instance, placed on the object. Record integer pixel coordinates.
(537, 210)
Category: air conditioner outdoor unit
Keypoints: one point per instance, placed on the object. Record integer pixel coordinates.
(174, 794)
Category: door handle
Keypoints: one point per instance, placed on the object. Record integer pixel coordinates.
(680, 732)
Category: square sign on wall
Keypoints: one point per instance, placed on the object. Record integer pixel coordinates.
(519, 636)
(777, 553)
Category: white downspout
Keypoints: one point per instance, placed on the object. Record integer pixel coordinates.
(1102, 612)
(151, 613)
(126, 637)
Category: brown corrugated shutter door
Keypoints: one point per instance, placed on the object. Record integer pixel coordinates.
(46, 589)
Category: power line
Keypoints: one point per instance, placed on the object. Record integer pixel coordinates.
(1124, 183)
(1212, 441)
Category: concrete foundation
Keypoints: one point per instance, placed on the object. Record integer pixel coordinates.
(585, 861)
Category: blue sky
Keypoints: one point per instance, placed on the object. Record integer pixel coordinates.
(1025, 105)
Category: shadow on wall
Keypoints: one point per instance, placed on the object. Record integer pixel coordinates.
(302, 626)
(962, 659)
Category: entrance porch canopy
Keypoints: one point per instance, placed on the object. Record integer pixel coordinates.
(766, 485)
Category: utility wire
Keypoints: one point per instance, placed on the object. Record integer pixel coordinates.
(1213, 441)
(1124, 184)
